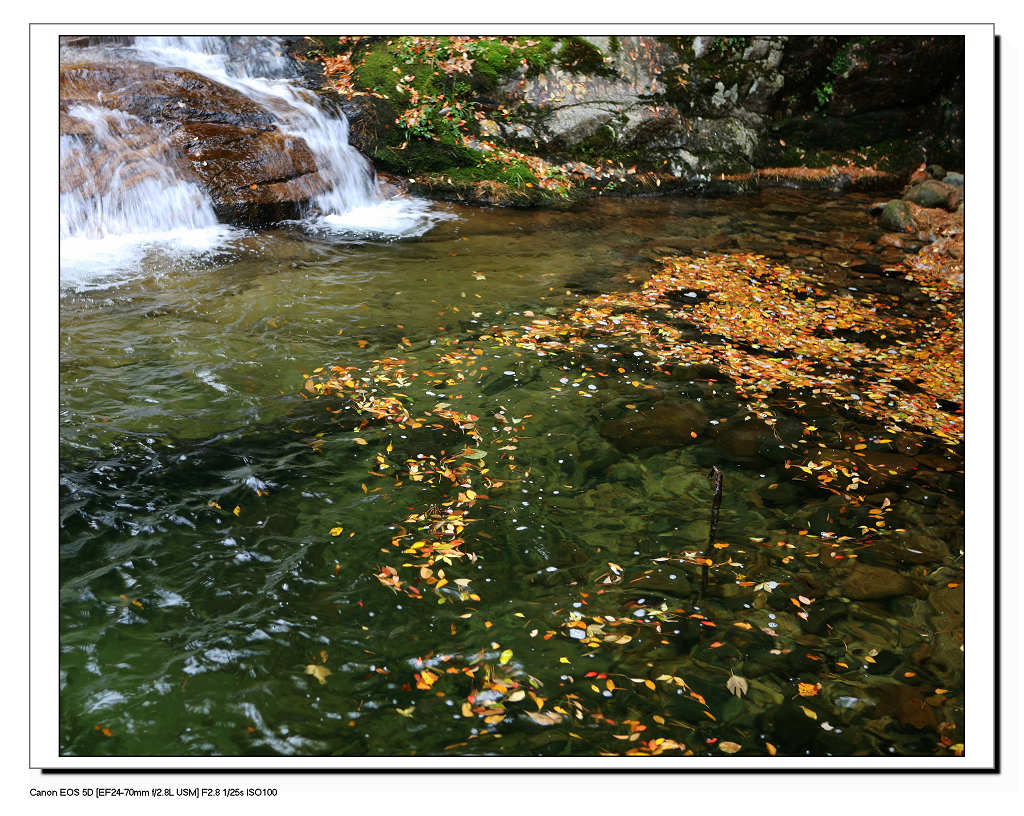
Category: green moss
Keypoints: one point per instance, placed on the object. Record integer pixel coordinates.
(515, 174)
(424, 157)
(581, 57)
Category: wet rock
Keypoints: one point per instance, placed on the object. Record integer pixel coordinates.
(864, 582)
(955, 199)
(935, 171)
(890, 239)
(956, 179)
(931, 193)
(667, 424)
(897, 217)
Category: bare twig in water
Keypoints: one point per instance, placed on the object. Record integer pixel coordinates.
(715, 476)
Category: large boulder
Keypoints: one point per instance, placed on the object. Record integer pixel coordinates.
(660, 97)
(215, 135)
(930, 193)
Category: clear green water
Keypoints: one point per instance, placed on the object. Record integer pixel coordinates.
(187, 629)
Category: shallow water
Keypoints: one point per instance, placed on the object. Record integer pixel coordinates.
(201, 487)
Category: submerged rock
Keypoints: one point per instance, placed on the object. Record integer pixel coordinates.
(742, 441)
(863, 582)
(667, 424)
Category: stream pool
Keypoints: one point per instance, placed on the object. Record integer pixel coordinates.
(241, 560)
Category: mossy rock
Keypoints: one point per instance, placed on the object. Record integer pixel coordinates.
(897, 217)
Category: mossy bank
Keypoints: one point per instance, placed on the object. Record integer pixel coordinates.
(544, 120)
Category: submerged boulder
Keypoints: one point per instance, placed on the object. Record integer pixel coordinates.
(864, 582)
(667, 424)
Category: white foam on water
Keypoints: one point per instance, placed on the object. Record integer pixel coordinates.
(392, 218)
(96, 263)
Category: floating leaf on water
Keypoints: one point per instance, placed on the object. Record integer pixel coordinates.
(321, 673)
(729, 747)
(737, 685)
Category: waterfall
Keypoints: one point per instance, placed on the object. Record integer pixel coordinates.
(113, 172)
(256, 67)
(125, 190)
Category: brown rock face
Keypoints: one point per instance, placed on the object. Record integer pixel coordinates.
(213, 134)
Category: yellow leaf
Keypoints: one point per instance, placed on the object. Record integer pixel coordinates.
(813, 715)
(337, 531)
(237, 510)
(729, 747)
(505, 657)
(360, 441)
(321, 673)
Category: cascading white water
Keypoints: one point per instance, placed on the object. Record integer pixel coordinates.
(255, 67)
(121, 196)
(111, 176)
(145, 203)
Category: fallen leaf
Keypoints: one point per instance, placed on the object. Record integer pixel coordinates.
(737, 685)
(321, 673)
